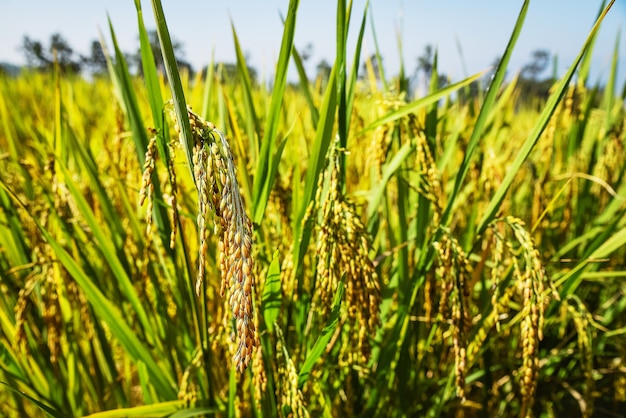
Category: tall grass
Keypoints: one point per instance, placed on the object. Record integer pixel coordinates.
(359, 253)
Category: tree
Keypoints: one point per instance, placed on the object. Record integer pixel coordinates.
(227, 71)
(96, 61)
(539, 63)
(155, 46)
(307, 52)
(425, 62)
(530, 86)
(373, 61)
(323, 71)
(43, 58)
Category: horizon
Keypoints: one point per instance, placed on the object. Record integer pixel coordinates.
(466, 39)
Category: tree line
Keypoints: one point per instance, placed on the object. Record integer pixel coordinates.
(43, 58)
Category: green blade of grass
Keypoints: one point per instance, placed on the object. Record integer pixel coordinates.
(572, 279)
(263, 180)
(485, 111)
(305, 86)
(585, 64)
(609, 91)
(8, 129)
(108, 252)
(106, 310)
(349, 83)
(176, 87)
(351, 92)
(208, 93)
(133, 113)
(89, 165)
(15, 244)
(379, 57)
(151, 79)
(253, 128)
(533, 137)
(321, 143)
(232, 392)
(420, 103)
(160, 409)
(272, 293)
(389, 170)
(322, 341)
(42, 406)
(196, 412)
(343, 21)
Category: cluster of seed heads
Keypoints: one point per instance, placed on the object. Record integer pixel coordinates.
(343, 247)
(531, 280)
(289, 394)
(583, 321)
(454, 272)
(147, 187)
(218, 193)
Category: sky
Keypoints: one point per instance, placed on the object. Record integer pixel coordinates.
(468, 35)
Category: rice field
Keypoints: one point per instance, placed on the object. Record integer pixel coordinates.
(180, 246)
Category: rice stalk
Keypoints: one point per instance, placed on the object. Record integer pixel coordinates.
(289, 394)
(218, 192)
(343, 247)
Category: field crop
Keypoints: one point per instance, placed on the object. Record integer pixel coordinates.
(176, 245)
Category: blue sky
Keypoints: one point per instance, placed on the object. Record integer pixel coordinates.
(481, 27)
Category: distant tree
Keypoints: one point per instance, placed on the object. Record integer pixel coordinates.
(158, 57)
(492, 72)
(9, 69)
(426, 66)
(35, 53)
(227, 71)
(43, 58)
(538, 64)
(323, 72)
(442, 80)
(307, 52)
(476, 88)
(96, 61)
(425, 62)
(530, 86)
(373, 61)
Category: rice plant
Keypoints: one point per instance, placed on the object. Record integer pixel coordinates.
(176, 246)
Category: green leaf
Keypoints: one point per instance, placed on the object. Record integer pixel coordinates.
(377, 193)
(420, 103)
(263, 180)
(232, 392)
(485, 111)
(151, 79)
(320, 147)
(351, 92)
(176, 87)
(161, 409)
(107, 311)
(305, 86)
(322, 341)
(45, 408)
(140, 138)
(108, 251)
(571, 280)
(272, 293)
(533, 137)
(195, 412)
(253, 129)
